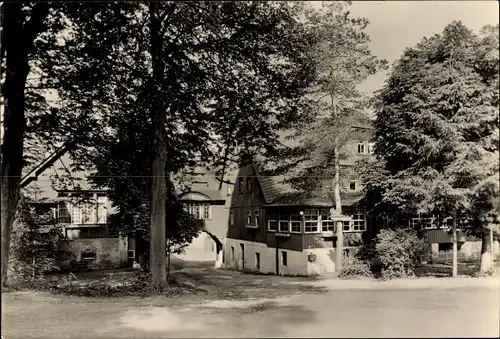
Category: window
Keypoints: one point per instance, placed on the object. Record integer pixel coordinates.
(95, 232)
(232, 252)
(361, 148)
(229, 190)
(249, 184)
(231, 218)
(102, 209)
(272, 223)
(240, 185)
(295, 220)
(88, 256)
(359, 221)
(327, 224)
(199, 211)
(76, 214)
(257, 260)
(88, 213)
(257, 217)
(346, 226)
(284, 222)
(284, 258)
(427, 223)
(206, 212)
(196, 211)
(352, 185)
(249, 217)
(371, 147)
(311, 221)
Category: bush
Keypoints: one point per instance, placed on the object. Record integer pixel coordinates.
(352, 267)
(36, 243)
(399, 251)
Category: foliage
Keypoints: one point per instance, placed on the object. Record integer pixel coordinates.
(437, 127)
(343, 60)
(353, 267)
(399, 252)
(37, 242)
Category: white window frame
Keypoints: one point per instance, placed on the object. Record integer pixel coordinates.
(102, 201)
(355, 185)
(273, 218)
(207, 212)
(326, 221)
(358, 221)
(249, 217)
(281, 220)
(371, 147)
(231, 218)
(256, 216)
(76, 214)
(430, 223)
(346, 226)
(310, 222)
(361, 148)
(295, 221)
(89, 211)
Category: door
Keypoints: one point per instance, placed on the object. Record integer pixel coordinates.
(242, 257)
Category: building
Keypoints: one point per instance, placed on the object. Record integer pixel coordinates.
(440, 239)
(80, 210)
(274, 229)
(83, 212)
(207, 199)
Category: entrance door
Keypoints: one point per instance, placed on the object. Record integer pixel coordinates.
(242, 257)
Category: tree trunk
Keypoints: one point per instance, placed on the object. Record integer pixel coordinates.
(454, 270)
(339, 251)
(157, 252)
(17, 42)
(224, 163)
(486, 251)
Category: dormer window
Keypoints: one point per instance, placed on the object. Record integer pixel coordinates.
(352, 185)
(361, 148)
(249, 184)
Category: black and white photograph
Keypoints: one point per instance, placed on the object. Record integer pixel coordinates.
(250, 169)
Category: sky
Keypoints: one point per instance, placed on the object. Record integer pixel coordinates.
(395, 25)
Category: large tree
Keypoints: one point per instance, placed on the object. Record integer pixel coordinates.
(22, 24)
(230, 70)
(437, 127)
(336, 107)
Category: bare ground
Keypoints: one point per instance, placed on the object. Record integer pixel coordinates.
(232, 304)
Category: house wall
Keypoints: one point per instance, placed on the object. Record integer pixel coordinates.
(241, 202)
(109, 252)
(324, 262)
(296, 260)
(468, 250)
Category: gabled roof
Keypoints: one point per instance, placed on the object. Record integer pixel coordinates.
(276, 192)
(43, 165)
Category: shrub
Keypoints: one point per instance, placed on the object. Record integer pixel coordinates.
(36, 243)
(352, 267)
(399, 251)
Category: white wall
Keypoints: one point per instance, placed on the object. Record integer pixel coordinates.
(324, 263)
(296, 261)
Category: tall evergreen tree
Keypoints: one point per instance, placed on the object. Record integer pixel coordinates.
(437, 126)
(317, 144)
